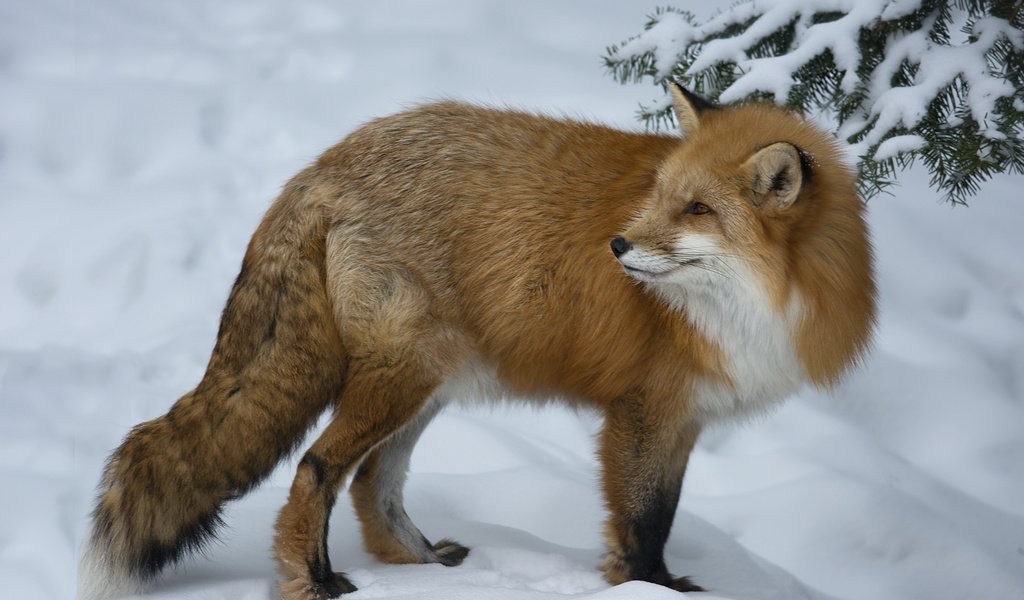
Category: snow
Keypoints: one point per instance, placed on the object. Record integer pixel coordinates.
(939, 66)
(672, 31)
(896, 145)
(139, 145)
(965, 62)
(772, 74)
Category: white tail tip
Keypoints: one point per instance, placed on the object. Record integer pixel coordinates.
(99, 578)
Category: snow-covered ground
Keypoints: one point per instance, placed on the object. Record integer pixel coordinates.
(139, 145)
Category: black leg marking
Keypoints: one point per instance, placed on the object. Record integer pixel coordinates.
(650, 531)
(318, 465)
(328, 583)
(320, 570)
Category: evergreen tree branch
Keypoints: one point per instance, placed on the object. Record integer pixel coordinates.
(940, 81)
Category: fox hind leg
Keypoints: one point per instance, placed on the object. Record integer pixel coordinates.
(388, 532)
(372, 408)
(399, 352)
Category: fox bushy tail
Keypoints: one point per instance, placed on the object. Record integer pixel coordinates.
(277, 364)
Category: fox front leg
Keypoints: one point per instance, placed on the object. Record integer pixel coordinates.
(644, 460)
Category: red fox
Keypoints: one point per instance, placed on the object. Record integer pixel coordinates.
(454, 252)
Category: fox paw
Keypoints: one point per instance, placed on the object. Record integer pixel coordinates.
(335, 585)
(450, 553)
(685, 584)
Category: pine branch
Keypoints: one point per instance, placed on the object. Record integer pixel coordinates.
(940, 81)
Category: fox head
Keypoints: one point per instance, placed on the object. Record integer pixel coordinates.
(756, 216)
(723, 200)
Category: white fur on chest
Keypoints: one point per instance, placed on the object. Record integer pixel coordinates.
(735, 313)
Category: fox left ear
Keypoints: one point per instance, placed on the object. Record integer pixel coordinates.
(776, 175)
(688, 107)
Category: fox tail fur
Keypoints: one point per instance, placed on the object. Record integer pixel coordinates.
(277, 365)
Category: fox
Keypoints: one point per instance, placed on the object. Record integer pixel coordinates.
(459, 253)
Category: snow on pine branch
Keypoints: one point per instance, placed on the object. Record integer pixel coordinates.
(938, 80)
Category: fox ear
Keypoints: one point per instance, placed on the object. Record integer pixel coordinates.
(776, 175)
(688, 107)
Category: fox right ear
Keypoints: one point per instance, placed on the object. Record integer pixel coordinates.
(688, 107)
(776, 175)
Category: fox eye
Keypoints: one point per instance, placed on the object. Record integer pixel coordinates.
(698, 208)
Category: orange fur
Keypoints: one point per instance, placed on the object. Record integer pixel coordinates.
(453, 251)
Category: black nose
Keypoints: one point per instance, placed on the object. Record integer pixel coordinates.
(620, 246)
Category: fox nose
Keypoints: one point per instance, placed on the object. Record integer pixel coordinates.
(620, 246)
